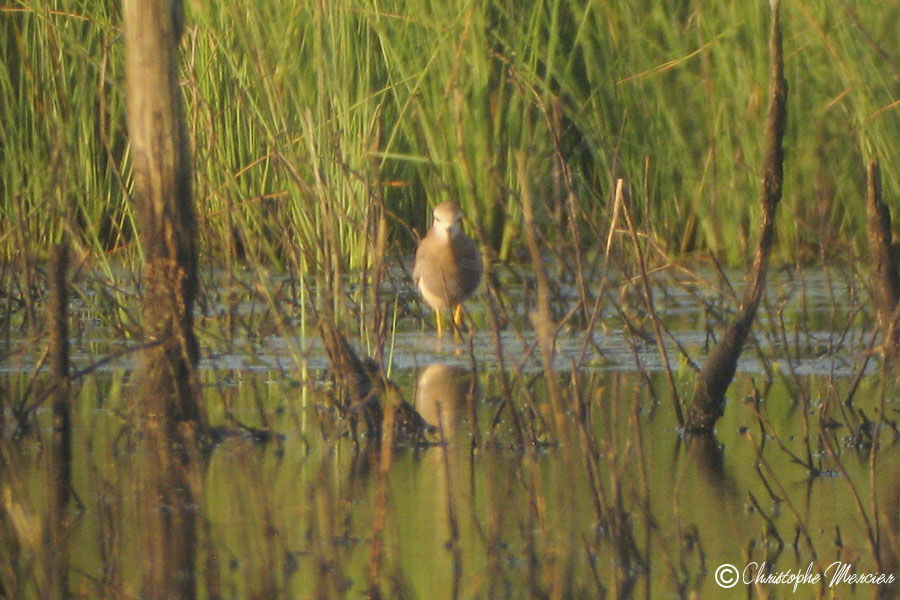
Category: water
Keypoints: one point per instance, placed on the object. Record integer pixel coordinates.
(508, 506)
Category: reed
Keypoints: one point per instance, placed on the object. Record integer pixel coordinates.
(305, 117)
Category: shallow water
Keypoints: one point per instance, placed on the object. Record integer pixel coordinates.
(617, 503)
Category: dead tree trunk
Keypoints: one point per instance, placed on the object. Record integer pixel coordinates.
(884, 261)
(162, 199)
(167, 228)
(60, 459)
(59, 357)
(718, 371)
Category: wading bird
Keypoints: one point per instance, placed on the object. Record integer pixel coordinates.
(448, 266)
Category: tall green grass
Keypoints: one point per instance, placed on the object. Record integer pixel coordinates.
(309, 118)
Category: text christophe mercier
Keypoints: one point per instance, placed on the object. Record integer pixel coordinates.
(835, 574)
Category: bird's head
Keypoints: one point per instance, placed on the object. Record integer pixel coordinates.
(447, 219)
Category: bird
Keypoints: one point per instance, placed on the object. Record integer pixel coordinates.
(448, 265)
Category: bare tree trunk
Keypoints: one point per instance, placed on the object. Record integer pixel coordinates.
(167, 227)
(162, 198)
(884, 261)
(718, 371)
(59, 358)
(60, 467)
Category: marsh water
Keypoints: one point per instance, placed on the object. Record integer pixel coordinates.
(802, 476)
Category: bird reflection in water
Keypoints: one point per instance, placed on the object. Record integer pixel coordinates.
(441, 396)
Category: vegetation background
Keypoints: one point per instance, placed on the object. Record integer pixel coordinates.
(308, 117)
(322, 132)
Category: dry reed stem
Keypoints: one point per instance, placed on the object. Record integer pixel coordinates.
(658, 327)
(541, 318)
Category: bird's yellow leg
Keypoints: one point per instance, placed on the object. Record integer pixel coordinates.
(456, 315)
(437, 320)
